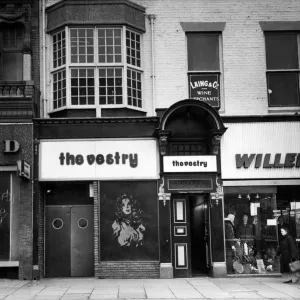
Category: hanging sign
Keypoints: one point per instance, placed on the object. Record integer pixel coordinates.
(206, 88)
(23, 169)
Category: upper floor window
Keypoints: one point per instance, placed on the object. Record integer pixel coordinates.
(204, 67)
(97, 67)
(11, 55)
(282, 58)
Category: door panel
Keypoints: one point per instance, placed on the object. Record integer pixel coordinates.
(57, 244)
(82, 241)
(181, 237)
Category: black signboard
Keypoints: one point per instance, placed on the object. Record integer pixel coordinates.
(205, 88)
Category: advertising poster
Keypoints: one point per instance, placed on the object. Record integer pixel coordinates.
(4, 215)
(128, 221)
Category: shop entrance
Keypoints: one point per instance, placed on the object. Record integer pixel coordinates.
(190, 235)
(69, 241)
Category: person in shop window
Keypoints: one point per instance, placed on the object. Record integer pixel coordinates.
(230, 237)
(244, 232)
(128, 229)
(288, 254)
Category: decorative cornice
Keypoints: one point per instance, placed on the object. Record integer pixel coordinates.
(9, 17)
(20, 12)
(261, 118)
(154, 120)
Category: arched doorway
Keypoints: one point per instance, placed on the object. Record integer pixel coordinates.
(189, 135)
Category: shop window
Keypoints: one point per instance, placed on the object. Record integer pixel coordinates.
(251, 233)
(204, 67)
(11, 55)
(104, 68)
(9, 216)
(282, 61)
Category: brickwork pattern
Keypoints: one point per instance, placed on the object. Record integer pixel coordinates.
(243, 48)
(96, 227)
(41, 234)
(127, 269)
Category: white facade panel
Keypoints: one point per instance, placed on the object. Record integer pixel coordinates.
(259, 138)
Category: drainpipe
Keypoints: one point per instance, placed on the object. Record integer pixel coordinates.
(44, 100)
(151, 19)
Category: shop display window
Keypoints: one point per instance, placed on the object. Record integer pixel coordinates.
(9, 216)
(251, 233)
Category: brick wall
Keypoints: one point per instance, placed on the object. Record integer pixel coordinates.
(243, 48)
(41, 234)
(128, 269)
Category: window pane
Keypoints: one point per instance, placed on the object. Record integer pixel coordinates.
(203, 52)
(12, 66)
(132, 48)
(59, 49)
(110, 86)
(82, 86)
(109, 42)
(283, 89)
(281, 51)
(82, 45)
(59, 89)
(134, 88)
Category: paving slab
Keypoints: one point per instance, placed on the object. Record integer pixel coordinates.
(245, 295)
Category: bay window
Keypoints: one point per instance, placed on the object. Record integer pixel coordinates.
(96, 67)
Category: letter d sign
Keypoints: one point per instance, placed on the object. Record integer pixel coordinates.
(11, 146)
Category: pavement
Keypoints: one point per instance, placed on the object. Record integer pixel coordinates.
(180, 288)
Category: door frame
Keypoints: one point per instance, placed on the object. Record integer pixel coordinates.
(185, 238)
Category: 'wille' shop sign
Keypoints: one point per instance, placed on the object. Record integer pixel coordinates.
(206, 88)
(289, 160)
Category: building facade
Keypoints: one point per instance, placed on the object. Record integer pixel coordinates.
(161, 121)
(19, 101)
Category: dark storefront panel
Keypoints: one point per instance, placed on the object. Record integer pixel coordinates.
(128, 221)
(5, 199)
(82, 236)
(69, 241)
(58, 254)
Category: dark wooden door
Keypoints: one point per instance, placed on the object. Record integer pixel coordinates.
(82, 247)
(69, 241)
(181, 252)
(57, 244)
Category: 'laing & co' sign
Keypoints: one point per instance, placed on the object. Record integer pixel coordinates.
(205, 88)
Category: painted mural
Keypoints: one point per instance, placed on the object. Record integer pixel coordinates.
(128, 221)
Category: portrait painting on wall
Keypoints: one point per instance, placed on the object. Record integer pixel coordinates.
(128, 220)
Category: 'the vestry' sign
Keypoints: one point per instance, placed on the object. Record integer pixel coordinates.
(196, 163)
(289, 160)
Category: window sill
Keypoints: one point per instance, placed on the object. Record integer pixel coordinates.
(292, 109)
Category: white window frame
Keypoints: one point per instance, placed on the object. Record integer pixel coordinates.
(96, 66)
